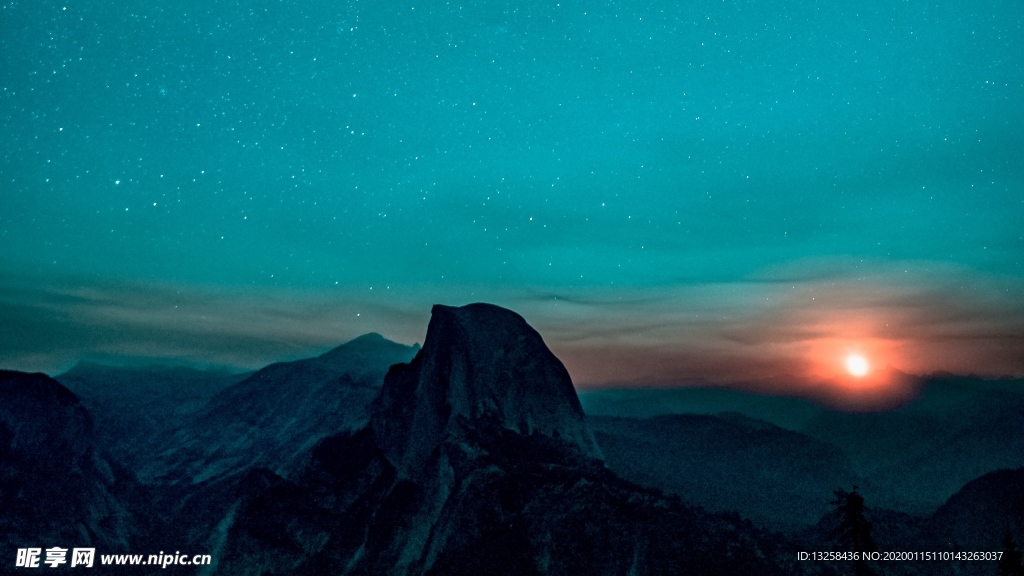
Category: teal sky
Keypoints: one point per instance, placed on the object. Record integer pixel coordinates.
(646, 177)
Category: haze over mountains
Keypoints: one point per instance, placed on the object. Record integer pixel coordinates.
(279, 412)
(136, 409)
(475, 455)
(913, 457)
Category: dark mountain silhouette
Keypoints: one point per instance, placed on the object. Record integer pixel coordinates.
(865, 527)
(978, 516)
(483, 364)
(136, 408)
(787, 412)
(475, 457)
(477, 460)
(730, 462)
(56, 488)
(276, 415)
(919, 455)
(271, 420)
(911, 458)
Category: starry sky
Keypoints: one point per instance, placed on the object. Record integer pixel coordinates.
(670, 192)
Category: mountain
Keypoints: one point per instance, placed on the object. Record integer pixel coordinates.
(958, 429)
(271, 420)
(939, 473)
(977, 519)
(56, 488)
(135, 409)
(473, 455)
(477, 460)
(778, 478)
(911, 458)
(275, 416)
(978, 516)
(484, 364)
(787, 412)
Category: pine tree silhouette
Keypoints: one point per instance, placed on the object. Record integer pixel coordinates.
(854, 529)
(1012, 561)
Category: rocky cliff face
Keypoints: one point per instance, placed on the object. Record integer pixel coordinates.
(477, 460)
(276, 415)
(269, 422)
(480, 365)
(473, 458)
(137, 409)
(56, 489)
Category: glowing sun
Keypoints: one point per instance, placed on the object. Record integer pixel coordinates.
(857, 365)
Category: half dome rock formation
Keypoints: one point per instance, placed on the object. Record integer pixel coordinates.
(477, 460)
(481, 365)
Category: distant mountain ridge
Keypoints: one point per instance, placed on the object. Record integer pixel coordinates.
(477, 460)
(958, 429)
(784, 411)
(729, 462)
(913, 457)
(136, 408)
(977, 519)
(275, 415)
(473, 455)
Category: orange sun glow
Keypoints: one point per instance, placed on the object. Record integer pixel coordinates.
(857, 365)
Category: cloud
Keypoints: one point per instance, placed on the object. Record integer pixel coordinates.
(59, 321)
(800, 321)
(791, 322)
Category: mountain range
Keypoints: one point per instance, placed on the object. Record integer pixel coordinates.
(474, 454)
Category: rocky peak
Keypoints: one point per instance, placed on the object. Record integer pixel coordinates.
(368, 348)
(480, 364)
